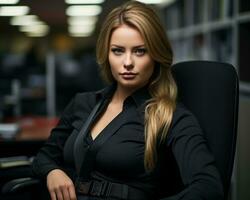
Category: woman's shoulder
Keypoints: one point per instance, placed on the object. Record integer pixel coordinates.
(96, 95)
(84, 100)
(81, 97)
(89, 98)
(182, 112)
(183, 122)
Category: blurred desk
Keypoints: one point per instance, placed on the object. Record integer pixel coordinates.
(35, 128)
(32, 134)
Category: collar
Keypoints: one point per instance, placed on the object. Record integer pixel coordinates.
(139, 97)
(106, 92)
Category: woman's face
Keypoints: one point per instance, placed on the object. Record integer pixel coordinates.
(130, 63)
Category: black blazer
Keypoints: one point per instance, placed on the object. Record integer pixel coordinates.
(185, 167)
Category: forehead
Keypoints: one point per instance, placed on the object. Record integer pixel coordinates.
(126, 36)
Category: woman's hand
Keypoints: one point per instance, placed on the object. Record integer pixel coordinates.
(60, 186)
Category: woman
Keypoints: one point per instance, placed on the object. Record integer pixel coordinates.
(153, 147)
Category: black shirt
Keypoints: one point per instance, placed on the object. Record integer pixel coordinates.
(185, 168)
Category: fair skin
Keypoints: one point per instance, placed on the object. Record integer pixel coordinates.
(131, 67)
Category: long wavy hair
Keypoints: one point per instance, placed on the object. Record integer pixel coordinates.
(162, 87)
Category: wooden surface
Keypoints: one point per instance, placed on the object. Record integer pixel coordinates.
(34, 127)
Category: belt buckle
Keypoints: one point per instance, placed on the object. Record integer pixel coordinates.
(84, 187)
(96, 189)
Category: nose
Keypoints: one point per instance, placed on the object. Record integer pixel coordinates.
(128, 62)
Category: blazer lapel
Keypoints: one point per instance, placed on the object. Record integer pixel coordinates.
(124, 117)
(89, 156)
(80, 148)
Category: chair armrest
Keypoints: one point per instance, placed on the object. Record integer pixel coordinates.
(20, 184)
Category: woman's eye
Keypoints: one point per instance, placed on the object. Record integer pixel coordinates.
(140, 51)
(117, 51)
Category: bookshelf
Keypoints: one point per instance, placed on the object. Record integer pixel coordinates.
(216, 30)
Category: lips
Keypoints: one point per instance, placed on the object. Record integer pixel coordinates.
(128, 75)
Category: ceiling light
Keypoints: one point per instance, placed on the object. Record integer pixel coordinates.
(84, 10)
(81, 29)
(13, 10)
(25, 20)
(9, 1)
(165, 2)
(84, 21)
(35, 28)
(84, 1)
(80, 34)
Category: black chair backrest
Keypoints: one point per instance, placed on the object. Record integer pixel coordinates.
(210, 91)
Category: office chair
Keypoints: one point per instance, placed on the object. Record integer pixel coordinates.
(210, 91)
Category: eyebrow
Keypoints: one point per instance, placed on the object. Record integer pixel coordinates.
(119, 46)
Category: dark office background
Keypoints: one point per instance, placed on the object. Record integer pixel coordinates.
(41, 71)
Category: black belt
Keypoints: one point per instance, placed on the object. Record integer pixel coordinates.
(109, 189)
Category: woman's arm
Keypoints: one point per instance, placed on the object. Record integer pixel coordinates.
(50, 156)
(49, 162)
(195, 162)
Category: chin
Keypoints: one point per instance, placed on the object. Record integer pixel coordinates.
(131, 85)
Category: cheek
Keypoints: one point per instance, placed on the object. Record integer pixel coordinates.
(114, 62)
(149, 72)
(147, 67)
(114, 65)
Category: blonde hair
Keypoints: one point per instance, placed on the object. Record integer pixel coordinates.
(162, 87)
